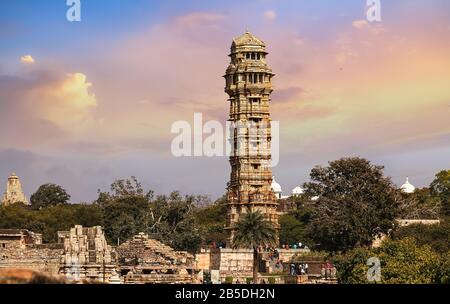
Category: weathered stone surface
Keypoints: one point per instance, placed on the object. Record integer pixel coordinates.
(248, 84)
(237, 263)
(82, 255)
(14, 193)
(145, 260)
(87, 255)
(203, 260)
(20, 248)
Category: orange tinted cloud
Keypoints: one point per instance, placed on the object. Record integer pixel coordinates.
(27, 59)
(67, 102)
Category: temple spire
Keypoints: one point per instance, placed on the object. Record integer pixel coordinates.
(14, 193)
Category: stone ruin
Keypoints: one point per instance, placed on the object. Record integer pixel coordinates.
(23, 249)
(146, 260)
(82, 255)
(87, 255)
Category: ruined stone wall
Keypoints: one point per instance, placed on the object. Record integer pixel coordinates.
(145, 260)
(203, 260)
(285, 255)
(232, 262)
(83, 254)
(41, 258)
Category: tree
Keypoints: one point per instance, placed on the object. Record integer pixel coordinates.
(63, 217)
(253, 230)
(420, 205)
(436, 236)
(211, 220)
(293, 225)
(355, 204)
(18, 216)
(441, 188)
(51, 219)
(125, 209)
(291, 230)
(129, 210)
(443, 273)
(49, 195)
(173, 221)
(401, 262)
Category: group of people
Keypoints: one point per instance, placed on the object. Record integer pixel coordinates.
(298, 245)
(299, 269)
(274, 257)
(328, 271)
(273, 252)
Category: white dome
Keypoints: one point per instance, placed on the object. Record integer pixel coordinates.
(275, 186)
(407, 187)
(298, 191)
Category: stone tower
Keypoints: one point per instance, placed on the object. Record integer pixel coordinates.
(249, 85)
(14, 193)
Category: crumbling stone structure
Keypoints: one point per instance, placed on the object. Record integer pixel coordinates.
(145, 260)
(87, 255)
(20, 248)
(82, 254)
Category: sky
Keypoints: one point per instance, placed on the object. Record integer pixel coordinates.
(85, 103)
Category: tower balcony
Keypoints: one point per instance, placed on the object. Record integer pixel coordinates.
(258, 85)
(263, 176)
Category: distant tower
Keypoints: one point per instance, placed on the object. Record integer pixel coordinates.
(248, 84)
(14, 193)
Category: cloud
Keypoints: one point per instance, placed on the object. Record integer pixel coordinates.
(360, 24)
(287, 94)
(373, 27)
(335, 94)
(43, 106)
(197, 19)
(67, 101)
(270, 15)
(27, 59)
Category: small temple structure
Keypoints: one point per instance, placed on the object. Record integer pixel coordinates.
(14, 193)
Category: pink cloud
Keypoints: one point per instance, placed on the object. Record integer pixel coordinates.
(270, 15)
(360, 24)
(197, 19)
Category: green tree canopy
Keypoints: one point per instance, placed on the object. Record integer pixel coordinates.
(402, 262)
(49, 220)
(355, 204)
(441, 188)
(129, 210)
(49, 195)
(293, 227)
(211, 220)
(436, 236)
(421, 204)
(173, 220)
